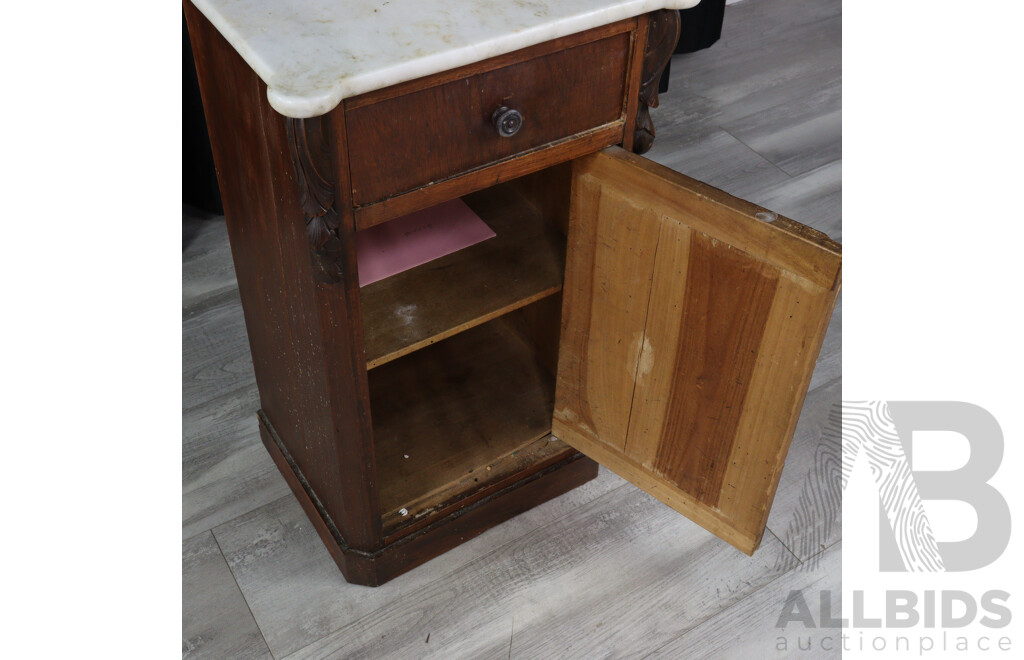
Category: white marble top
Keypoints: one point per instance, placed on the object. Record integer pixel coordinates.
(314, 53)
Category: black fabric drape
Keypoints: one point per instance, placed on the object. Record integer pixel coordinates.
(701, 27)
(198, 176)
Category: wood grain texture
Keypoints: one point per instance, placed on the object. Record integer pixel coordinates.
(524, 491)
(726, 300)
(445, 129)
(830, 359)
(296, 325)
(297, 594)
(452, 415)
(215, 622)
(795, 329)
(797, 136)
(566, 587)
(548, 155)
(356, 565)
(771, 53)
(662, 35)
(492, 63)
(287, 193)
(208, 254)
(814, 196)
(807, 513)
(711, 155)
(225, 471)
(773, 238)
(216, 360)
(604, 235)
(635, 80)
(771, 83)
(548, 193)
(309, 144)
(538, 326)
(716, 347)
(723, 310)
(546, 458)
(523, 263)
(471, 514)
(660, 375)
(749, 630)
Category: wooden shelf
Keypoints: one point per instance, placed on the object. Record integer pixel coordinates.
(457, 416)
(418, 307)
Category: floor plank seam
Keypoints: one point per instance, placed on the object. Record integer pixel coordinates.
(833, 433)
(838, 160)
(193, 407)
(817, 555)
(268, 504)
(242, 593)
(191, 538)
(447, 576)
(217, 399)
(824, 19)
(816, 493)
(789, 177)
(783, 544)
(511, 637)
(722, 611)
(828, 383)
(207, 301)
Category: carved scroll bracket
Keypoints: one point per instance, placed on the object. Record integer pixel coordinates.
(310, 147)
(662, 36)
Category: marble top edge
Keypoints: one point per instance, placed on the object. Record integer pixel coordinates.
(313, 54)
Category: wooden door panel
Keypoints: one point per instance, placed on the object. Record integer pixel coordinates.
(691, 324)
(612, 303)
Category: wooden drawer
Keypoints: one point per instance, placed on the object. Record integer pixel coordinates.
(423, 132)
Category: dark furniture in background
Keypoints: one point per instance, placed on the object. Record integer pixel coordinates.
(701, 26)
(198, 176)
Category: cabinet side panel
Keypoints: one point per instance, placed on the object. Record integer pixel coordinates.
(319, 412)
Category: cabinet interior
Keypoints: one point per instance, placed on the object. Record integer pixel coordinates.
(461, 355)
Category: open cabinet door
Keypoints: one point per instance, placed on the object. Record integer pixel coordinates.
(691, 323)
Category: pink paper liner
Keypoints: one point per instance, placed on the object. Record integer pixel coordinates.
(412, 240)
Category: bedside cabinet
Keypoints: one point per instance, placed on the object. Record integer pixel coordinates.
(622, 313)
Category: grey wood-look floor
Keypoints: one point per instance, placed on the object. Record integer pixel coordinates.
(604, 571)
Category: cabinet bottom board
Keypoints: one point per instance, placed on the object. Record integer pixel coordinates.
(394, 558)
(458, 417)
